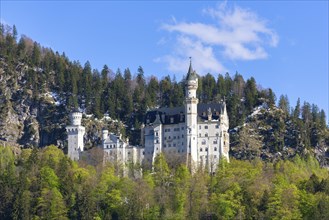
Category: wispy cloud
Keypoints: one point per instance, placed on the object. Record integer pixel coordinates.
(236, 34)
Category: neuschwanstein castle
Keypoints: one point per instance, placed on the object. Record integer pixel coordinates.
(194, 133)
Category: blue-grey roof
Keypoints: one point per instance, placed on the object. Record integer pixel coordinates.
(177, 115)
(191, 74)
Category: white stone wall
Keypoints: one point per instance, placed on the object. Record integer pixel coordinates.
(75, 133)
(191, 131)
(209, 144)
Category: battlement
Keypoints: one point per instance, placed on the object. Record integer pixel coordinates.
(75, 118)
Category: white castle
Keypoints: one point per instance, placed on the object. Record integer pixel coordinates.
(194, 133)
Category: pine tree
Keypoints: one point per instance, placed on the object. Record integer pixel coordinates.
(14, 33)
(284, 104)
(250, 92)
(87, 86)
(221, 88)
(209, 86)
(36, 54)
(271, 98)
(296, 113)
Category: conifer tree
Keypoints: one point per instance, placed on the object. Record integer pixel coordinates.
(284, 104)
(36, 54)
(250, 92)
(296, 113)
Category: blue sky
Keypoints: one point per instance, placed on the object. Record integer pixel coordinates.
(283, 45)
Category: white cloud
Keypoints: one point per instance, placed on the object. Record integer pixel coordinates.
(236, 34)
(177, 61)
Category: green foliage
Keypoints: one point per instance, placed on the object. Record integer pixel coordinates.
(51, 186)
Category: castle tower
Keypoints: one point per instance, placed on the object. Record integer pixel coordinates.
(225, 137)
(75, 133)
(191, 113)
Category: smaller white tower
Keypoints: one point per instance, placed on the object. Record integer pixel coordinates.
(225, 136)
(105, 134)
(75, 133)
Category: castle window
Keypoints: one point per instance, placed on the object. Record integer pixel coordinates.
(215, 149)
(128, 153)
(206, 127)
(215, 156)
(200, 149)
(217, 126)
(174, 137)
(217, 134)
(182, 136)
(182, 128)
(143, 152)
(206, 148)
(206, 135)
(169, 145)
(156, 134)
(199, 126)
(157, 141)
(164, 145)
(199, 134)
(203, 142)
(165, 138)
(174, 145)
(193, 138)
(107, 146)
(178, 151)
(215, 142)
(169, 137)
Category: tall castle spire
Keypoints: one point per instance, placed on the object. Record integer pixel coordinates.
(191, 103)
(191, 74)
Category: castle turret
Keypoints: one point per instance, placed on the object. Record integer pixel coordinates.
(105, 134)
(224, 125)
(191, 103)
(75, 133)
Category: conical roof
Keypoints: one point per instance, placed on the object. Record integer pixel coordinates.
(191, 74)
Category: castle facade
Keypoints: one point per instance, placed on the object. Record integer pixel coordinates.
(195, 133)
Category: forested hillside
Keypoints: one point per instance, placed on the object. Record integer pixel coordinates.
(45, 184)
(40, 87)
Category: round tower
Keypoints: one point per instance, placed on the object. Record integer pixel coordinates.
(75, 133)
(75, 118)
(105, 134)
(191, 115)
